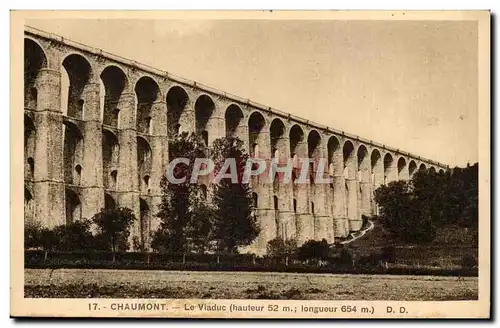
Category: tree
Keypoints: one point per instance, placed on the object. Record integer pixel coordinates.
(185, 218)
(74, 236)
(400, 214)
(314, 250)
(414, 210)
(235, 223)
(114, 228)
(279, 247)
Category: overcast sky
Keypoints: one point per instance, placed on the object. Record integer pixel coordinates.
(411, 85)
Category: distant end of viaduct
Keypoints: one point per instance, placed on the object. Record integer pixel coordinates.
(96, 132)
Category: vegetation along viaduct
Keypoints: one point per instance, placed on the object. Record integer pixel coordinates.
(96, 132)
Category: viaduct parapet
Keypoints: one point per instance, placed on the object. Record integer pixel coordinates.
(96, 132)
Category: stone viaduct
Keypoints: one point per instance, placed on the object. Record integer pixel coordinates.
(96, 131)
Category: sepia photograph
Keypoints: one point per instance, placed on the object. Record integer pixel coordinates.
(258, 164)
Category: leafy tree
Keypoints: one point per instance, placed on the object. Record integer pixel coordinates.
(74, 236)
(400, 215)
(184, 218)
(32, 234)
(114, 228)
(235, 223)
(279, 247)
(414, 210)
(314, 250)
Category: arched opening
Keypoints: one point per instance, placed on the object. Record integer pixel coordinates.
(114, 82)
(234, 119)
(314, 152)
(29, 206)
(31, 168)
(412, 168)
(177, 100)
(377, 175)
(109, 202)
(350, 167)
(422, 167)
(73, 206)
(78, 174)
(278, 147)
(256, 124)
(275, 202)
(146, 183)
(143, 163)
(364, 166)
(277, 132)
(334, 158)
(441, 171)
(255, 200)
(78, 73)
(113, 181)
(29, 148)
(432, 170)
(312, 208)
(204, 109)
(72, 153)
(295, 205)
(147, 93)
(402, 172)
(110, 158)
(145, 217)
(296, 137)
(388, 168)
(34, 61)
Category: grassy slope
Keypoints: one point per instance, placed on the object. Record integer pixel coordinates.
(448, 236)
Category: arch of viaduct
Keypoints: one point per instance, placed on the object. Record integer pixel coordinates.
(96, 131)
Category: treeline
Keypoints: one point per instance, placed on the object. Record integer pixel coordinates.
(413, 211)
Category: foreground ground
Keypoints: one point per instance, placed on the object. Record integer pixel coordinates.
(81, 283)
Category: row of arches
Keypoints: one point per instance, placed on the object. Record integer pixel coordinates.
(114, 86)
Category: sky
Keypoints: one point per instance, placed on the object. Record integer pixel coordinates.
(410, 85)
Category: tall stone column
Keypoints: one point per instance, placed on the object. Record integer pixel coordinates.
(323, 223)
(262, 186)
(303, 217)
(216, 128)
(159, 145)
(377, 181)
(187, 120)
(48, 184)
(352, 202)
(128, 185)
(92, 185)
(341, 226)
(365, 189)
(404, 174)
(284, 191)
(392, 171)
(242, 134)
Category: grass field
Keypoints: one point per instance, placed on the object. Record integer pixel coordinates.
(97, 283)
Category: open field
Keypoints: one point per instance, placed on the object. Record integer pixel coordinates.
(83, 283)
